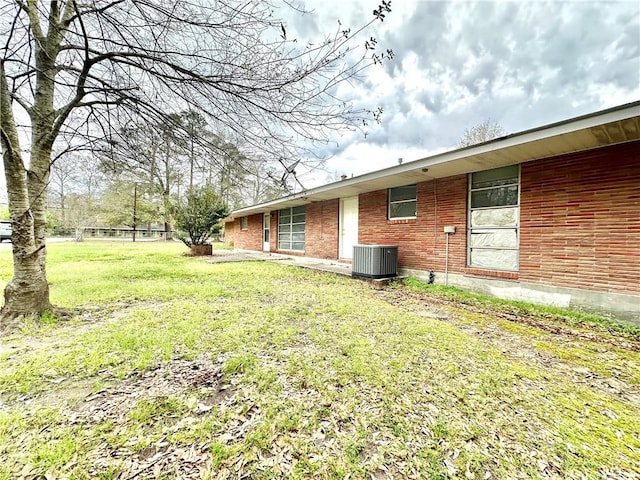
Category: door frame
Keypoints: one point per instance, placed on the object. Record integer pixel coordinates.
(342, 228)
(266, 232)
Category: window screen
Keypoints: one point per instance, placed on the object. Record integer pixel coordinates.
(402, 202)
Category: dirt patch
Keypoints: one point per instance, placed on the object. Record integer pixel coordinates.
(172, 378)
(524, 348)
(177, 393)
(396, 297)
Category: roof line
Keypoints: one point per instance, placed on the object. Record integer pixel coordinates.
(620, 112)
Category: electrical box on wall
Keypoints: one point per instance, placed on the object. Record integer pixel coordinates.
(449, 229)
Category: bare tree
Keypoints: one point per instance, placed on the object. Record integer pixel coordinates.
(151, 154)
(74, 174)
(63, 176)
(74, 187)
(238, 177)
(82, 213)
(195, 126)
(260, 185)
(75, 67)
(116, 205)
(483, 132)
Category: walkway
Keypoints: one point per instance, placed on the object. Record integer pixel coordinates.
(236, 255)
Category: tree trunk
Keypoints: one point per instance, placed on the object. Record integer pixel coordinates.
(28, 291)
(166, 201)
(63, 213)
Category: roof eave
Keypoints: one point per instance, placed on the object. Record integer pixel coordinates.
(577, 134)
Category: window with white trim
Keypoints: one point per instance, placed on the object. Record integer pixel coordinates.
(402, 202)
(244, 223)
(494, 218)
(291, 228)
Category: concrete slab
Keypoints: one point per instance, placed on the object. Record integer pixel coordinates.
(236, 255)
(320, 264)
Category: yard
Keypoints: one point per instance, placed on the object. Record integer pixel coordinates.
(175, 367)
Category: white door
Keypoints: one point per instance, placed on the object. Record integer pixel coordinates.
(348, 226)
(266, 231)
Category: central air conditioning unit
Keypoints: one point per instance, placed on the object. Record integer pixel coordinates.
(375, 261)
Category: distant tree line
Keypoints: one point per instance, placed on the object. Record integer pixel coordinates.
(154, 165)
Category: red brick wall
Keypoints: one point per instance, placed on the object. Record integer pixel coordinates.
(580, 220)
(321, 236)
(421, 242)
(579, 216)
(250, 239)
(230, 233)
(321, 229)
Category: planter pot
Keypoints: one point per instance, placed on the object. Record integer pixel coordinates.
(201, 250)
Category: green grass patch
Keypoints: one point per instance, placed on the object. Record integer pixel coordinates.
(282, 372)
(569, 317)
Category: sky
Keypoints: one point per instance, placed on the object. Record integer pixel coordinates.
(520, 64)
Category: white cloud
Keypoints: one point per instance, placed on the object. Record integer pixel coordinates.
(521, 64)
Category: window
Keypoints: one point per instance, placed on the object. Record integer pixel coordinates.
(402, 202)
(291, 225)
(494, 218)
(244, 223)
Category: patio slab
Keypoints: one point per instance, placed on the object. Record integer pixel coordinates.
(236, 255)
(321, 264)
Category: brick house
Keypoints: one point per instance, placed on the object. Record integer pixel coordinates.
(549, 215)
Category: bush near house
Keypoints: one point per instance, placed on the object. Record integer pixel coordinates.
(197, 217)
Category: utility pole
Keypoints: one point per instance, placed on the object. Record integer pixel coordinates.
(135, 210)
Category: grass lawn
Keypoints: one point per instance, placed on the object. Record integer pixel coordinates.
(174, 367)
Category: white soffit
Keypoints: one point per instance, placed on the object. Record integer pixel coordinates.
(609, 127)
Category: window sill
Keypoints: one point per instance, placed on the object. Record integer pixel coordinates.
(479, 272)
(401, 221)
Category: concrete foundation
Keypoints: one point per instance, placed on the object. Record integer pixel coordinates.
(622, 307)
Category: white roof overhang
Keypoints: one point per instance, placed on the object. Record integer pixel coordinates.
(608, 127)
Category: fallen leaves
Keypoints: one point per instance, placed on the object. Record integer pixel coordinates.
(326, 379)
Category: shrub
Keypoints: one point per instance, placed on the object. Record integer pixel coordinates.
(197, 216)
